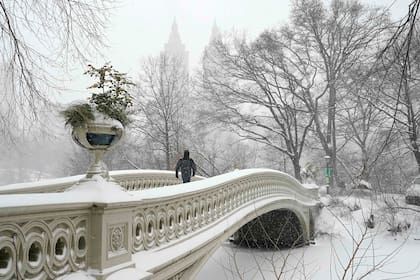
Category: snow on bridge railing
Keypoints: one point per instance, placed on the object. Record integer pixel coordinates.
(146, 179)
(129, 179)
(112, 223)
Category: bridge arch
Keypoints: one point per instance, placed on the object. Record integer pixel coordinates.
(276, 229)
(302, 211)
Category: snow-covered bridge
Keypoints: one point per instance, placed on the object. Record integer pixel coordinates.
(145, 225)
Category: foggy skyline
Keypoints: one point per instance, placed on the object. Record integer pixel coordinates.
(140, 28)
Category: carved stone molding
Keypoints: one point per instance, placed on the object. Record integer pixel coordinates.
(178, 276)
(43, 248)
(117, 240)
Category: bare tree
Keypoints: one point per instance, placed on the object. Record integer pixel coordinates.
(39, 38)
(255, 89)
(399, 97)
(363, 131)
(220, 152)
(161, 95)
(333, 40)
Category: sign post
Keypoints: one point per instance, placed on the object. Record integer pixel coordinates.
(327, 172)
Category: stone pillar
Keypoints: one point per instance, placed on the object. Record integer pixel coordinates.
(110, 240)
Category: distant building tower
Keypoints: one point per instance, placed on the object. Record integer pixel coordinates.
(175, 48)
(215, 33)
(215, 36)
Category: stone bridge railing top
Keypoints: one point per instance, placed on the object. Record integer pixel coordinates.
(129, 179)
(144, 180)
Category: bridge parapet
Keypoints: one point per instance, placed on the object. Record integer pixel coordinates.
(161, 219)
(147, 179)
(42, 241)
(98, 226)
(129, 179)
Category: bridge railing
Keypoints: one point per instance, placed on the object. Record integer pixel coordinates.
(99, 225)
(146, 179)
(43, 236)
(129, 179)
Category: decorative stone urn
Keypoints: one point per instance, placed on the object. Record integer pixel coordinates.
(98, 136)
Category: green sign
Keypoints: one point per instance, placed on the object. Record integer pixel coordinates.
(328, 172)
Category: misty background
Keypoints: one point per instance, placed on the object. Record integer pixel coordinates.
(201, 46)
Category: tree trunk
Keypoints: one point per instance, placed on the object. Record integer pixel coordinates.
(167, 147)
(365, 174)
(296, 169)
(331, 131)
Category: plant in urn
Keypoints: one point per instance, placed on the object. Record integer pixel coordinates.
(98, 124)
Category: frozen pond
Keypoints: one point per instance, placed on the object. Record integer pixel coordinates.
(394, 258)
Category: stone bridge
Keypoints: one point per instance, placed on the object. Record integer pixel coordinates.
(141, 225)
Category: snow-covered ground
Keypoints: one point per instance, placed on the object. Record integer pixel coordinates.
(345, 248)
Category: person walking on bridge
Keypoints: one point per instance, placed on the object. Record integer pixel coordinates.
(187, 167)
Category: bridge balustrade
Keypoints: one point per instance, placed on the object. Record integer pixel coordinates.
(131, 180)
(43, 241)
(44, 235)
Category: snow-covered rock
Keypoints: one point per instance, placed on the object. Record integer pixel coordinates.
(413, 193)
(364, 185)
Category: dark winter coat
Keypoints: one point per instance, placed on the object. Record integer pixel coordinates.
(187, 167)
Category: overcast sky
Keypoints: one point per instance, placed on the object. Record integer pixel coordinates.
(140, 28)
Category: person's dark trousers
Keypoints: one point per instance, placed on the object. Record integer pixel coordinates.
(186, 178)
